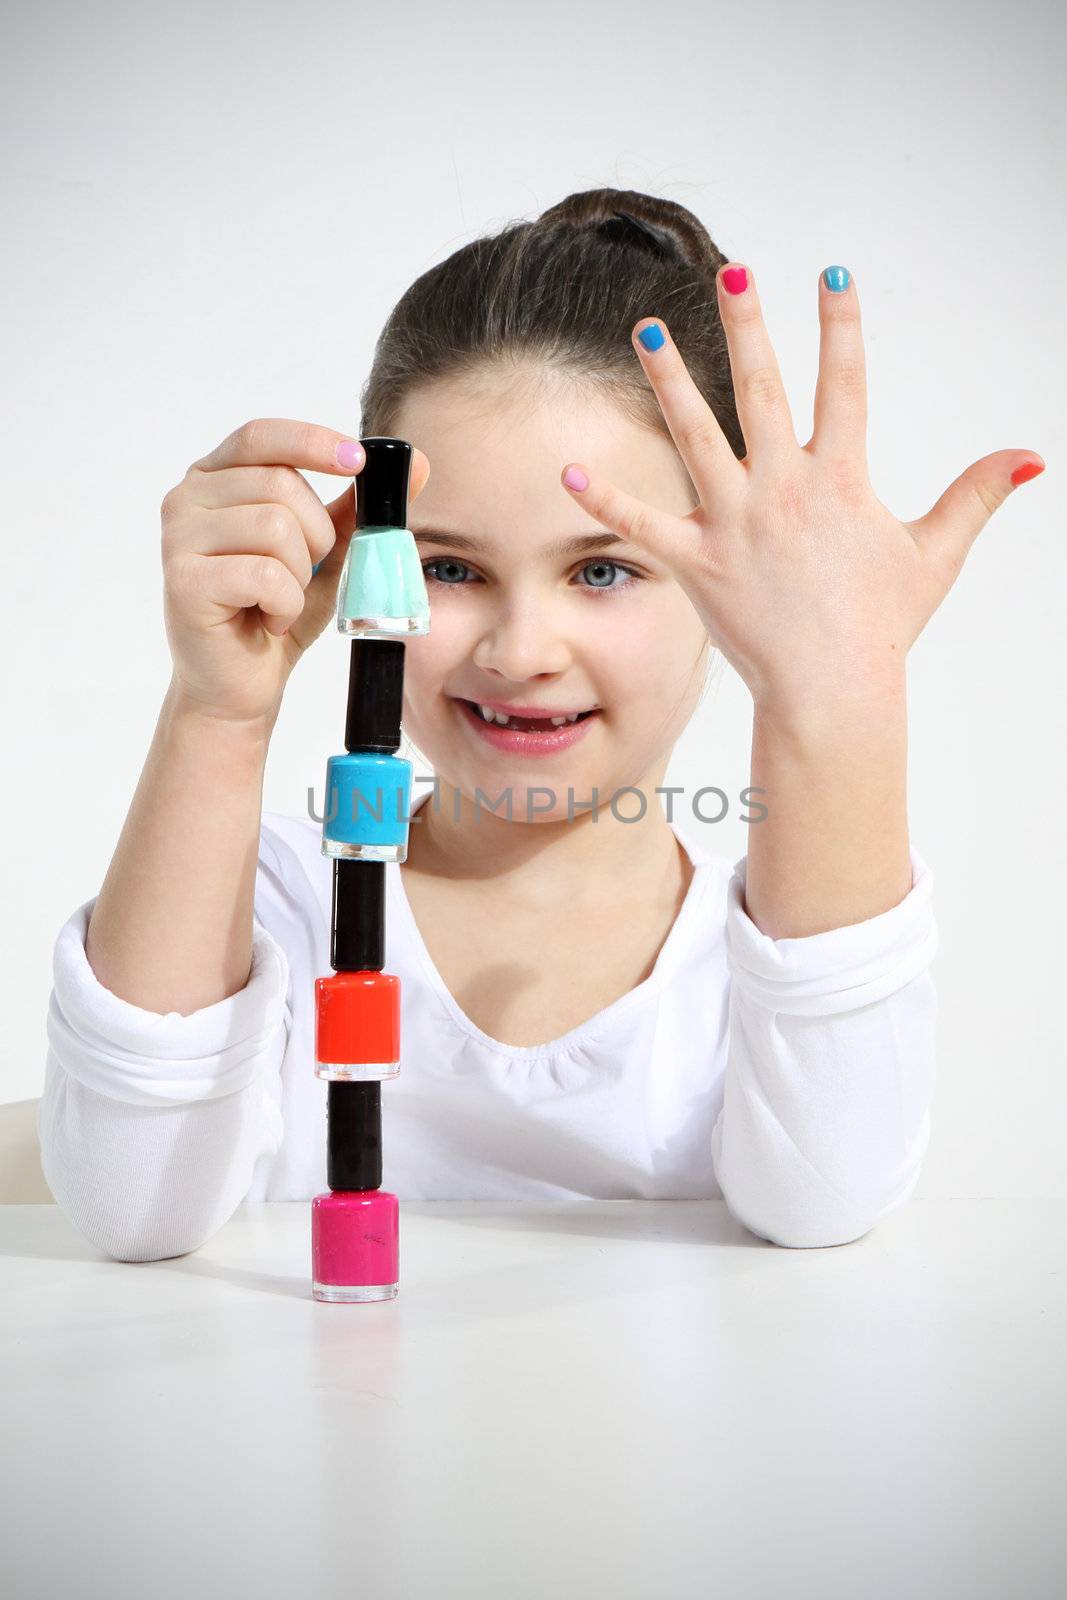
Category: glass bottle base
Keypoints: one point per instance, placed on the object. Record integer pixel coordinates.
(357, 1072)
(383, 627)
(364, 852)
(355, 1292)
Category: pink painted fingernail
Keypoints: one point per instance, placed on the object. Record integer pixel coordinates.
(1028, 470)
(349, 454)
(575, 478)
(735, 280)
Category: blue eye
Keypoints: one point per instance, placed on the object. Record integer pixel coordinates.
(447, 562)
(443, 561)
(611, 566)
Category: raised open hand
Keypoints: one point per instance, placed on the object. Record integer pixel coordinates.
(804, 580)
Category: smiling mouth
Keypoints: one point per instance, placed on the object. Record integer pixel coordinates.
(528, 724)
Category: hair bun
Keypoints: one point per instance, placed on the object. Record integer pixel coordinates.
(661, 241)
(658, 225)
(560, 293)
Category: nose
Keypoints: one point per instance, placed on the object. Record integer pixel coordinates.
(520, 641)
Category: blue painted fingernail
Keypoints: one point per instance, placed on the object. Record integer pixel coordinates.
(836, 278)
(652, 336)
(315, 568)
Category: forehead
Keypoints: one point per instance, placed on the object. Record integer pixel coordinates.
(500, 438)
(497, 403)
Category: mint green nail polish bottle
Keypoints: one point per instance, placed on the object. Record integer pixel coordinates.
(381, 593)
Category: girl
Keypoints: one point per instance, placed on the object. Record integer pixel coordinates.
(592, 1005)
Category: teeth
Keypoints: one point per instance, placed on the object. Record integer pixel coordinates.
(504, 721)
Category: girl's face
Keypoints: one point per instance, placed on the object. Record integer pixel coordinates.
(517, 620)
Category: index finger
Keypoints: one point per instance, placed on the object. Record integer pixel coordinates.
(286, 441)
(703, 446)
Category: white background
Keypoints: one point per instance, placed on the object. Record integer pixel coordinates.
(210, 210)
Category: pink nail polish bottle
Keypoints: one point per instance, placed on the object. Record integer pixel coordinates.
(355, 1228)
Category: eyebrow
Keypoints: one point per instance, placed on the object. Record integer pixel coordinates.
(562, 547)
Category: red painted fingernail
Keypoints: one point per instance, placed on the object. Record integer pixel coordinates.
(735, 279)
(575, 478)
(1024, 473)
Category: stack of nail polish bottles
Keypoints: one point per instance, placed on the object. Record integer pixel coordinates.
(381, 599)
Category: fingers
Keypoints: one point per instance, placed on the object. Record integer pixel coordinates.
(841, 391)
(232, 582)
(694, 427)
(420, 471)
(948, 530)
(256, 530)
(279, 486)
(256, 465)
(267, 440)
(342, 513)
(762, 405)
(672, 539)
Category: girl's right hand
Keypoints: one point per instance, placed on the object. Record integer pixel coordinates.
(241, 533)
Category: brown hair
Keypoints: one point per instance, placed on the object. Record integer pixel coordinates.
(564, 292)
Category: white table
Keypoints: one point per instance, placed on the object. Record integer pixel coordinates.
(607, 1398)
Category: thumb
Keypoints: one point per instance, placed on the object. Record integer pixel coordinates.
(320, 596)
(343, 516)
(953, 523)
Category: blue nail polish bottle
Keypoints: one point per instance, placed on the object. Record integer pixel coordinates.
(368, 803)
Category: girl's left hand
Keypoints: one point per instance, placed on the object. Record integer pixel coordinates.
(805, 581)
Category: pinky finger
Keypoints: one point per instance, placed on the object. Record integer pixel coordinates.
(235, 583)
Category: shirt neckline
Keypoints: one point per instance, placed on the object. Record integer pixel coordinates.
(666, 960)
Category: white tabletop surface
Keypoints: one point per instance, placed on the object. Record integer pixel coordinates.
(603, 1398)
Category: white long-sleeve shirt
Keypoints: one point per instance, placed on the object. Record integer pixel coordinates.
(791, 1077)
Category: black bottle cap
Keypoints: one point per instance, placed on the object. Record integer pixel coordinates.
(382, 486)
(354, 1135)
(375, 695)
(358, 913)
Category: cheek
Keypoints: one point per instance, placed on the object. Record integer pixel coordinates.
(649, 647)
(431, 659)
(433, 662)
(657, 670)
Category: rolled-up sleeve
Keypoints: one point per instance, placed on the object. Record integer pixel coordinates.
(831, 1068)
(150, 1124)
